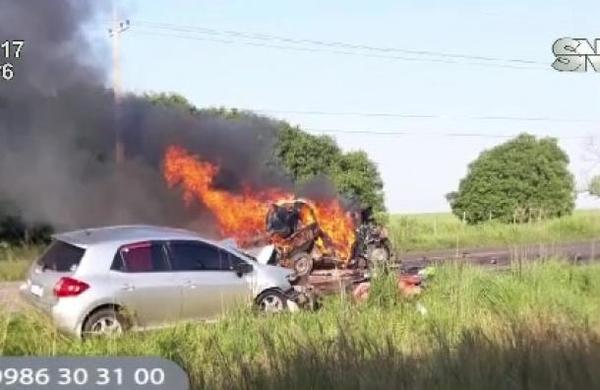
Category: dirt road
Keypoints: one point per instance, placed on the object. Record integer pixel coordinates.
(582, 251)
(9, 295)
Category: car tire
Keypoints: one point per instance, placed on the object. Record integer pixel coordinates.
(378, 256)
(271, 301)
(302, 263)
(105, 322)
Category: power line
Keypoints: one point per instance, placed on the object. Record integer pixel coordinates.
(420, 116)
(294, 48)
(267, 37)
(339, 44)
(415, 133)
(376, 114)
(387, 114)
(150, 31)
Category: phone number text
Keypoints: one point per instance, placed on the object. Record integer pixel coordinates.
(80, 377)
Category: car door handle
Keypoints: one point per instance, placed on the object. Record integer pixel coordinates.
(127, 287)
(189, 284)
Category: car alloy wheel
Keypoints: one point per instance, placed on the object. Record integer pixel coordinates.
(272, 302)
(106, 326)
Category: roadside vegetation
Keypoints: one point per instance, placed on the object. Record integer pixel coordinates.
(421, 232)
(535, 327)
(15, 260)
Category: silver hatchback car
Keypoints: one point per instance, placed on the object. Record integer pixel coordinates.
(107, 280)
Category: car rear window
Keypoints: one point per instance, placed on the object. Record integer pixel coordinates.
(61, 257)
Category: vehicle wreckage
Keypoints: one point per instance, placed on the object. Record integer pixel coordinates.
(295, 239)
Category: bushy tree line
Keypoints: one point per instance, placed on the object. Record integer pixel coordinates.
(305, 156)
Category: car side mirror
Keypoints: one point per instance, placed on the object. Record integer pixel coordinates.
(243, 268)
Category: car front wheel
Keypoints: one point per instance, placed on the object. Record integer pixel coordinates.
(271, 301)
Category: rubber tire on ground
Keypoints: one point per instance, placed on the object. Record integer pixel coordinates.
(98, 314)
(260, 300)
(305, 260)
(381, 262)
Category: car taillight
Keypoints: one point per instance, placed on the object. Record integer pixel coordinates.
(69, 287)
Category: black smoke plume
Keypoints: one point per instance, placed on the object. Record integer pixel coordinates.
(57, 131)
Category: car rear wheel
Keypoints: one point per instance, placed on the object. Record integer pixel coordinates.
(105, 322)
(271, 301)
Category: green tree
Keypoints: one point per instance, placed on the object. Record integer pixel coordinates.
(356, 176)
(173, 100)
(306, 155)
(594, 187)
(523, 179)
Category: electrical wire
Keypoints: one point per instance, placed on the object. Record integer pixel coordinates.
(414, 133)
(182, 35)
(424, 116)
(339, 44)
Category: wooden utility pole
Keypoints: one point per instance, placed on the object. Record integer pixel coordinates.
(117, 27)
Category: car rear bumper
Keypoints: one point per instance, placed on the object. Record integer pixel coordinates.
(63, 314)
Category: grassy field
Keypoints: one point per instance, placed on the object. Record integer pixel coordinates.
(445, 231)
(536, 327)
(14, 261)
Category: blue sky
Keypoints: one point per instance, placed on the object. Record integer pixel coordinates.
(419, 168)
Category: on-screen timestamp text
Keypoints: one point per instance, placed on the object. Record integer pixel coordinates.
(10, 51)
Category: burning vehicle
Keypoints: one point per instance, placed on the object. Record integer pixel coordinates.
(298, 241)
(296, 233)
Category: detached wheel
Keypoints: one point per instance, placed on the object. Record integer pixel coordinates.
(271, 301)
(105, 322)
(378, 256)
(302, 263)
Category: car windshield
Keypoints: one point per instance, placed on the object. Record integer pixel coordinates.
(231, 245)
(241, 253)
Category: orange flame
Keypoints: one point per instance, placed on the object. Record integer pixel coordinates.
(242, 216)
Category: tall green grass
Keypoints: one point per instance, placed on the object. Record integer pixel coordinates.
(534, 327)
(15, 261)
(445, 231)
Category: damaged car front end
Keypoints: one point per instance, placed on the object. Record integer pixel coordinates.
(299, 296)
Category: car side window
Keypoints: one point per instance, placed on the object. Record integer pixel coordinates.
(141, 257)
(197, 256)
